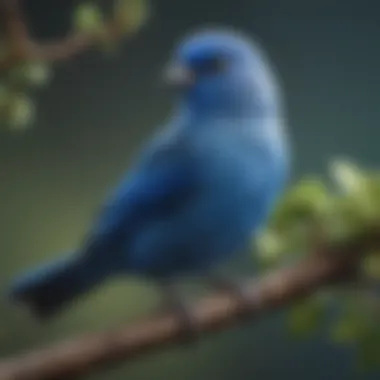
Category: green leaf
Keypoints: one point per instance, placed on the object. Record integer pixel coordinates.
(31, 73)
(347, 176)
(359, 325)
(306, 201)
(345, 220)
(271, 249)
(353, 322)
(356, 189)
(305, 317)
(21, 111)
(131, 15)
(371, 265)
(346, 330)
(270, 245)
(88, 17)
(38, 73)
(368, 348)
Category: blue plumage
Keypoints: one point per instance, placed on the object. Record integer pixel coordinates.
(199, 190)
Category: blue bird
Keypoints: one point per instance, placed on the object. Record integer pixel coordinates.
(199, 189)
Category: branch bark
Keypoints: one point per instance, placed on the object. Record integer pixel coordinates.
(21, 46)
(84, 354)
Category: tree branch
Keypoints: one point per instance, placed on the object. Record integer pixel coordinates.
(22, 47)
(84, 354)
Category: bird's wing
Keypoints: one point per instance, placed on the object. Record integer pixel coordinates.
(164, 182)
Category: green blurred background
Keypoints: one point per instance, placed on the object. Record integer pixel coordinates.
(98, 111)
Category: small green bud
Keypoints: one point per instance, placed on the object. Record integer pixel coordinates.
(131, 15)
(269, 245)
(347, 176)
(31, 73)
(20, 111)
(88, 17)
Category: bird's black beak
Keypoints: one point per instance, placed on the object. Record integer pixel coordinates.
(177, 76)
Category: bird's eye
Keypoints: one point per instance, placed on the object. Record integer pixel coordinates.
(210, 66)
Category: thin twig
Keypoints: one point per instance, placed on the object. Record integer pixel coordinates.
(22, 47)
(84, 354)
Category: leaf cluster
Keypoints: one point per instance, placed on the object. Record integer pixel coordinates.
(315, 212)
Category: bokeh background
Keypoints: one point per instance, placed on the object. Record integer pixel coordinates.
(96, 114)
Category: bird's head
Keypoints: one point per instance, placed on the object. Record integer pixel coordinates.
(220, 72)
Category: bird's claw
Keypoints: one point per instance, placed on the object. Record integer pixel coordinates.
(190, 332)
(237, 289)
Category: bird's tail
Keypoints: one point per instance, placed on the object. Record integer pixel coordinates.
(46, 289)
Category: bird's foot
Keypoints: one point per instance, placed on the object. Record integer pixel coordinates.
(172, 302)
(236, 288)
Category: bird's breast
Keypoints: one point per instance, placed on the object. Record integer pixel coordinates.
(237, 181)
(241, 178)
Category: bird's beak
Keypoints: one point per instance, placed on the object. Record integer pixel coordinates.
(178, 77)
